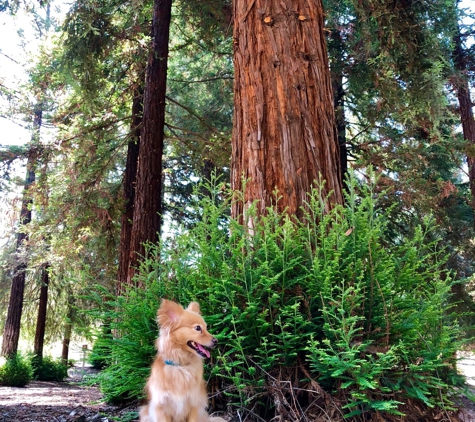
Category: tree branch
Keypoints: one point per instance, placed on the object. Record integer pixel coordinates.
(217, 78)
(189, 111)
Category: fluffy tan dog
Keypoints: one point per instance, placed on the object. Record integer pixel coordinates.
(176, 390)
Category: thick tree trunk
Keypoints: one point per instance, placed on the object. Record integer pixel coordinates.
(41, 318)
(129, 190)
(466, 111)
(11, 332)
(284, 134)
(148, 192)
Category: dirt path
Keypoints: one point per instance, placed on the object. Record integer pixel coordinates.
(65, 401)
(69, 402)
(466, 365)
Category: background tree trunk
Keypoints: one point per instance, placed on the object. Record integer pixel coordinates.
(284, 133)
(129, 190)
(68, 329)
(336, 69)
(147, 206)
(462, 88)
(11, 332)
(41, 318)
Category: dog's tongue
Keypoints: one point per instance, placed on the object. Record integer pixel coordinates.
(203, 350)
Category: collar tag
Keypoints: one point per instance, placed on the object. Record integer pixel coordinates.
(171, 363)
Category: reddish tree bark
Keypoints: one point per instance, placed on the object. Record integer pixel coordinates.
(11, 331)
(68, 329)
(41, 317)
(148, 192)
(129, 190)
(284, 134)
(462, 88)
(336, 70)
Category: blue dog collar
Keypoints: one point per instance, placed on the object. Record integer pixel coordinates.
(171, 363)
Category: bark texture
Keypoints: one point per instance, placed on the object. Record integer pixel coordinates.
(133, 149)
(466, 111)
(284, 133)
(11, 331)
(41, 317)
(336, 69)
(148, 193)
(68, 329)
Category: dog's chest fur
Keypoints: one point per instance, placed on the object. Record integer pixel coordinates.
(179, 388)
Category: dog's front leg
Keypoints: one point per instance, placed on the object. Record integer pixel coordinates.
(193, 416)
(144, 415)
(157, 415)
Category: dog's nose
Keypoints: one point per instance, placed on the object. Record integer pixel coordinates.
(214, 341)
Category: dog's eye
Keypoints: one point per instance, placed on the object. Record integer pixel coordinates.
(198, 328)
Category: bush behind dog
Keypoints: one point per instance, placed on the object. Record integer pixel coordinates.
(331, 299)
(48, 369)
(16, 371)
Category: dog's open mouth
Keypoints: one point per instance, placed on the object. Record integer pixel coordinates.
(198, 348)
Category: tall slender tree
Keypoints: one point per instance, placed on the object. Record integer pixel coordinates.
(462, 88)
(337, 65)
(41, 317)
(129, 180)
(68, 328)
(11, 332)
(284, 136)
(148, 192)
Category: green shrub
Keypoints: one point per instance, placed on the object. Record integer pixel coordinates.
(133, 346)
(15, 372)
(49, 369)
(331, 299)
(100, 353)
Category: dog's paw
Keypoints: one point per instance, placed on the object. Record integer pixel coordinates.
(144, 416)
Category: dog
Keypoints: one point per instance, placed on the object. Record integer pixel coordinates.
(176, 389)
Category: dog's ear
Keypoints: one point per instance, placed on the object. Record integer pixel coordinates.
(194, 307)
(169, 313)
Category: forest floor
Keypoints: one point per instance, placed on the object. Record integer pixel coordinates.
(69, 401)
(466, 365)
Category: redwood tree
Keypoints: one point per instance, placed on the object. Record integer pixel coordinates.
(11, 332)
(461, 84)
(148, 191)
(133, 149)
(337, 77)
(41, 317)
(68, 328)
(284, 134)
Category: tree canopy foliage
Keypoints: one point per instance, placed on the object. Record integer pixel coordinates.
(401, 76)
